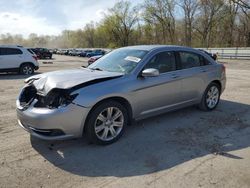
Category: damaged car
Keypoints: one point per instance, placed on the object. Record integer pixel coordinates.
(129, 83)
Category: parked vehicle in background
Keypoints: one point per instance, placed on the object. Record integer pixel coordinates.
(129, 83)
(214, 56)
(17, 59)
(85, 52)
(42, 53)
(93, 59)
(71, 52)
(95, 53)
(54, 50)
(63, 51)
(77, 52)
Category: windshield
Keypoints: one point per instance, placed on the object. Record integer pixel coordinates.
(121, 60)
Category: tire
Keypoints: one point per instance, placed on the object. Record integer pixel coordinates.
(27, 69)
(210, 98)
(100, 129)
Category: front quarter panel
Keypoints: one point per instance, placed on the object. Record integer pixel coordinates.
(91, 95)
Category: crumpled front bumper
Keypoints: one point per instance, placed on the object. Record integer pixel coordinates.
(53, 124)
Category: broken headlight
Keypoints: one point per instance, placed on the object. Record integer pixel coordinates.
(56, 98)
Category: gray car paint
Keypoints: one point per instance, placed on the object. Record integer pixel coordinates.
(66, 79)
(146, 96)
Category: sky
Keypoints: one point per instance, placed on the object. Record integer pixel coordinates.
(50, 17)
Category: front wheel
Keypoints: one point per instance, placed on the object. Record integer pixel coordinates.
(106, 123)
(211, 97)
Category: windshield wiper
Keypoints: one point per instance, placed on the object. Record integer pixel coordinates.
(96, 68)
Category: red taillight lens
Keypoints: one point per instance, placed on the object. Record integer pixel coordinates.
(35, 57)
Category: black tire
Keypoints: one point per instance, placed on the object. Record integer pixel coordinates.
(26, 69)
(92, 120)
(204, 103)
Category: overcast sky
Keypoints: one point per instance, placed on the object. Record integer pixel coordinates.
(50, 16)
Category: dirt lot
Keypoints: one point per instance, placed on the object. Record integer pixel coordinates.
(186, 148)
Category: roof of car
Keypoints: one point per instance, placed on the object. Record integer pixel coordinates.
(152, 47)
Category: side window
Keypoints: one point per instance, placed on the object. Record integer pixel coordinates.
(189, 60)
(204, 61)
(164, 62)
(10, 51)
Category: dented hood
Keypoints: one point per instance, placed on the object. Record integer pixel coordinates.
(65, 79)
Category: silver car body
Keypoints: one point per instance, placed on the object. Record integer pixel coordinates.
(144, 97)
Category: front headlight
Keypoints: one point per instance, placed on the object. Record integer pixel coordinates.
(59, 98)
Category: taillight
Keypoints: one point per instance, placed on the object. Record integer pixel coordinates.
(35, 57)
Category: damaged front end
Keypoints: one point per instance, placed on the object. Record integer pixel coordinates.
(54, 99)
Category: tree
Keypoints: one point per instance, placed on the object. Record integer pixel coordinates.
(207, 19)
(119, 22)
(89, 34)
(161, 12)
(189, 8)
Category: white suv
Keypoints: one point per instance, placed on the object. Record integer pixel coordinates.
(17, 59)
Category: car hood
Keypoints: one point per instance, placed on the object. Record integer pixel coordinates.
(67, 79)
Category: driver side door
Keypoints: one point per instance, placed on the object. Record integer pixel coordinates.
(162, 92)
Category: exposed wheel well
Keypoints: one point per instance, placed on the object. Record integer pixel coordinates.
(217, 82)
(121, 100)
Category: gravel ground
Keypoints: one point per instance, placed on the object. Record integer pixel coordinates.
(186, 148)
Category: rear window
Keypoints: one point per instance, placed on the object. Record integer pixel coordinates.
(189, 60)
(10, 51)
(31, 51)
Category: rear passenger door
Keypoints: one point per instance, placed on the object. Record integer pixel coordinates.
(193, 76)
(10, 58)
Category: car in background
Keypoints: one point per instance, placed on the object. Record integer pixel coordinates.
(63, 51)
(42, 53)
(53, 51)
(130, 83)
(95, 53)
(71, 52)
(17, 59)
(93, 59)
(77, 52)
(212, 55)
(85, 52)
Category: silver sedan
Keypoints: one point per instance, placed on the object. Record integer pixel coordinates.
(129, 83)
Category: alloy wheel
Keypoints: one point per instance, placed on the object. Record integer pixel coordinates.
(212, 97)
(109, 123)
(27, 70)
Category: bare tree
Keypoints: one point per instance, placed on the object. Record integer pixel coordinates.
(207, 19)
(162, 11)
(189, 8)
(121, 20)
(243, 3)
(89, 34)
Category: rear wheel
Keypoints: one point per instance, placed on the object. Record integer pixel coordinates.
(211, 97)
(106, 123)
(27, 69)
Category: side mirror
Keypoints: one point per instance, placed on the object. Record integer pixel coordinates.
(150, 72)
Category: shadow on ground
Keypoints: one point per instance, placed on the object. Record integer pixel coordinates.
(156, 144)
